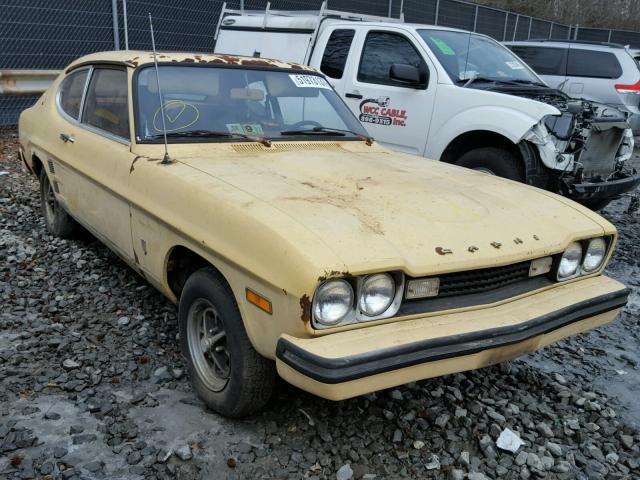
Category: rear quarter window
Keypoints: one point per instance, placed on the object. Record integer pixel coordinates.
(592, 63)
(543, 60)
(336, 53)
(71, 90)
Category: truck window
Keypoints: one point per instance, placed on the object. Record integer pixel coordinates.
(592, 63)
(544, 60)
(336, 53)
(383, 49)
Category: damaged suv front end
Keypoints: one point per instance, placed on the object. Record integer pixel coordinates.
(586, 148)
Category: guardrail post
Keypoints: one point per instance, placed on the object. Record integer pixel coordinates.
(116, 32)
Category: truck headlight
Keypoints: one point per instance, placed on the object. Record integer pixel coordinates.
(570, 261)
(595, 255)
(332, 302)
(377, 294)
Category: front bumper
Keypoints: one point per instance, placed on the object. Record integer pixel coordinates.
(355, 362)
(603, 190)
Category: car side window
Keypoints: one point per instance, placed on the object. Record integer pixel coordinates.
(106, 105)
(336, 53)
(544, 60)
(71, 90)
(592, 63)
(382, 50)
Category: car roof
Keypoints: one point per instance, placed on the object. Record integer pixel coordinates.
(604, 46)
(135, 58)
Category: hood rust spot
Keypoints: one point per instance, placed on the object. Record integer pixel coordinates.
(333, 274)
(496, 245)
(444, 251)
(305, 305)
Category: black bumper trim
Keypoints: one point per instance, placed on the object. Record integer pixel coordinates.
(338, 370)
(601, 190)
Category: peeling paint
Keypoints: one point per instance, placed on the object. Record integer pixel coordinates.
(305, 305)
(518, 241)
(473, 249)
(496, 245)
(443, 251)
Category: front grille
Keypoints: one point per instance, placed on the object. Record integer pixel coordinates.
(483, 280)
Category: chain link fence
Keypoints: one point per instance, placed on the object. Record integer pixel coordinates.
(41, 34)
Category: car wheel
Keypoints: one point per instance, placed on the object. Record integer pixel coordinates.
(494, 161)
(57, 220)
(226, 371)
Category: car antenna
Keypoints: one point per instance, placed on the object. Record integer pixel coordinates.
(166, 159)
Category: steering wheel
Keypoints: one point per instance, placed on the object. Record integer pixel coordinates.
(305, 122)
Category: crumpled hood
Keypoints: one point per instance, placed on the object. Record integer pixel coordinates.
(378, 210)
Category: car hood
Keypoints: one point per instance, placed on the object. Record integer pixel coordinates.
(377, 210)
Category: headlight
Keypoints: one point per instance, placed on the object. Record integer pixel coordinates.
(596, 251)
(332, 302)
(570, 261)
(377, 294)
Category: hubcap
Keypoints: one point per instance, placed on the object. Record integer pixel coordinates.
(207, 341)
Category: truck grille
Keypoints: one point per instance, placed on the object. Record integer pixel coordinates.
(483, 280)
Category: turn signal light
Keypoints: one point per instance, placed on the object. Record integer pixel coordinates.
(259, 301)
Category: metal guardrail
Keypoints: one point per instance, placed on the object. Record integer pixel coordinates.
(26, 82)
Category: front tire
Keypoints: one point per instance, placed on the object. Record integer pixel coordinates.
(494, 161)
(227, 373)
(58, 222)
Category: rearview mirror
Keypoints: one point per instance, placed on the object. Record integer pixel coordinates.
(409, 75)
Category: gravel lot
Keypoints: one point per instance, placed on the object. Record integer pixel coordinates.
(92, 385)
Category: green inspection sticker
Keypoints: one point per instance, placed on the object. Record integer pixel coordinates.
(442, 45)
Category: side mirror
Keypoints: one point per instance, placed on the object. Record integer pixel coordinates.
(411, 76)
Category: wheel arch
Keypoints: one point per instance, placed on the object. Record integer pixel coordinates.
(474, 139)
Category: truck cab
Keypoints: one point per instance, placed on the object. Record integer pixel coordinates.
(449, 95)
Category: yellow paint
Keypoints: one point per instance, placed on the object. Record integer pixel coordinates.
(277, 220)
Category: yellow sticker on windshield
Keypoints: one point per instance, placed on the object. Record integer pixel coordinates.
(442, 46)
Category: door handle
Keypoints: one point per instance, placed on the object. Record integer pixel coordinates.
(66, 138)
(353, 95)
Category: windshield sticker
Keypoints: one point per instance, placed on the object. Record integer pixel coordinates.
(245, 129)
(513, 65)
(309, 81)
(378, 112)
(442, 46)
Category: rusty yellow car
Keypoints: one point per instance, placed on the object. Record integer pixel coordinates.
(295, 244)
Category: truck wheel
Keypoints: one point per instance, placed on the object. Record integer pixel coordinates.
(58, 222)
(494, 161)
(228, 374)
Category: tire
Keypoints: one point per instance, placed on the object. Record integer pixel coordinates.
(58, 222)
(227, 373)
(495, 161)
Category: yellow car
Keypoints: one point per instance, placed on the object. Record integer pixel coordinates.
(294, 243)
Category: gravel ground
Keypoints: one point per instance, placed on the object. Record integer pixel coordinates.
(92, 386)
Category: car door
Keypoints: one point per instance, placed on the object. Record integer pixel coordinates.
(98, 159)
(395, 113)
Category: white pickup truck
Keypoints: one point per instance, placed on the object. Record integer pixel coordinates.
(448, 94)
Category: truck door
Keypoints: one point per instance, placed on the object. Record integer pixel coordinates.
(378, 87)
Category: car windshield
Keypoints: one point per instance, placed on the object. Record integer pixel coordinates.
(467, 56)
(214, 103)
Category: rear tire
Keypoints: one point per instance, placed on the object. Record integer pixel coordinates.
(494, 161)
(228, 374)
(58, 222)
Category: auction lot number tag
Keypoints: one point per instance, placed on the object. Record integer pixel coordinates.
(309, 81)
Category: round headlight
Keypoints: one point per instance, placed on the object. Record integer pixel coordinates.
(570, 261)
(333, 301)
(596, 251)
(378, 292)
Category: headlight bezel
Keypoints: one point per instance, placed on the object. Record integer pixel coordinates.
(581, 271)
(586, 271)
(356, 315)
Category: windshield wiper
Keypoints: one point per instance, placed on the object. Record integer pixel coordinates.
(476, 78)
(326, 130)
(212, 134)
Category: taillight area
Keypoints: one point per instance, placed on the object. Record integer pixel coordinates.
(633, 89)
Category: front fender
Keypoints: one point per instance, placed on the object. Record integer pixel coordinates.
(463, 110)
